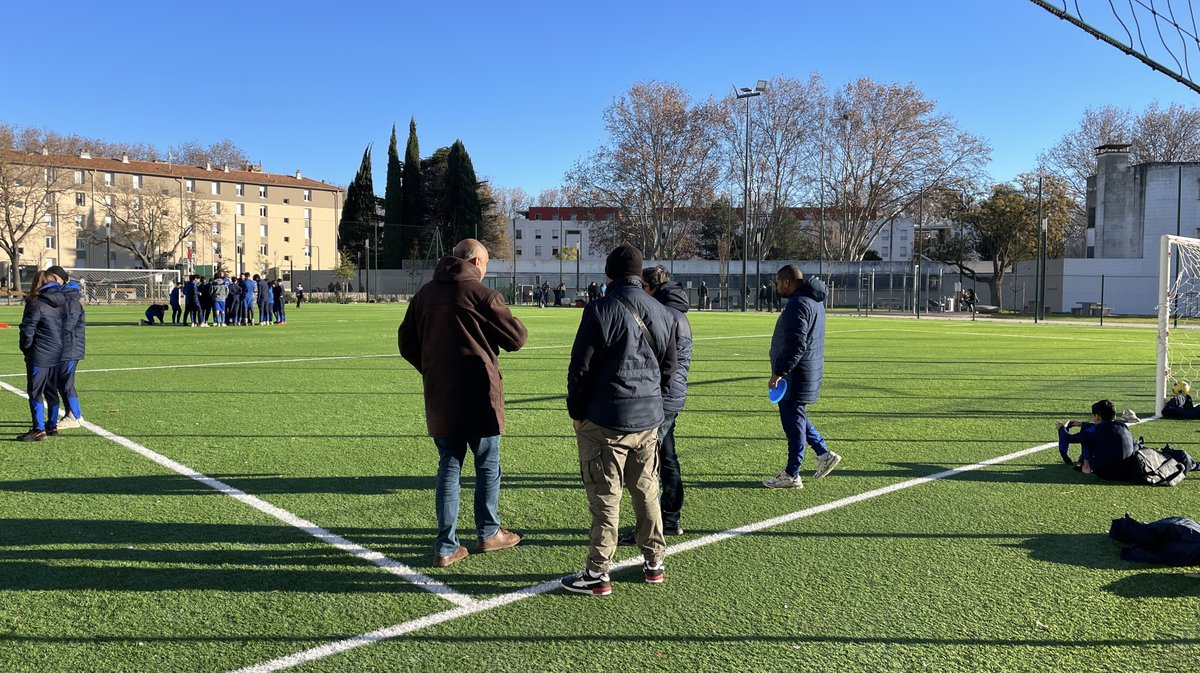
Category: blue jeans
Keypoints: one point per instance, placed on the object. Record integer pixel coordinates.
(487, 488)
(799, 430)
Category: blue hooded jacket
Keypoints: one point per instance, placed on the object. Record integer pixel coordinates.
(74, 323)
(42, 327)
(798, 344)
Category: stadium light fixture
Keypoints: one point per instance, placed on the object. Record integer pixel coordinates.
(747, 93)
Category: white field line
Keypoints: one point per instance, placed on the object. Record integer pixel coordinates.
(390, 565)
(404, 628)
(221, 364)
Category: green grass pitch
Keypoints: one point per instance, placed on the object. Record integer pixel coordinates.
(110, 562)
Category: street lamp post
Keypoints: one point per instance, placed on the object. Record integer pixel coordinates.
(920, 247)
(747, 93)
(514, 260)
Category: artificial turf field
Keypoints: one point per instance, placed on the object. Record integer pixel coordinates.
(111, 562)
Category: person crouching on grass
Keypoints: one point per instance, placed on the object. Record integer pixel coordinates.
(41, 340)
(1105, 444)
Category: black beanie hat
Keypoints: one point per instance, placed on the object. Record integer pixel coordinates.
(624, 260)
(58, 271)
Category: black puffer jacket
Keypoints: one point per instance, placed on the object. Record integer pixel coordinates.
(616, 379)
(42, 327)
(798, 344)
(74, 323)
(675, 298)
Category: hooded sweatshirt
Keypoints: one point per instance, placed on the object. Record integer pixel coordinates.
(675, 298)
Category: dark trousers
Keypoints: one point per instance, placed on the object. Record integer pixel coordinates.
(176, 311)
(794, 417)
(40, 382)
(671, 494)
(65, 379)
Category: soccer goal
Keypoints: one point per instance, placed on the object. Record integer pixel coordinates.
(1178, 315)
(110, 286)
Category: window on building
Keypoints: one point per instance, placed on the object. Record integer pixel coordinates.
(307, 233)
(216, 229)
(216, 188)
(537, 216)
(262, 211)
(48, 220)
(262, 230)
(262, 191)
(574, 217)
(79, 177)
(308, 213)
(189, 185)
(79, 221)
(51, 174)
(287, 239)
(108, 179)
(554, 216)
(537, 234)
(1091, 218)
(241, 209)
(555, 252)
(519, 232)
(135, 181)
(308, 195)
(287, 220)
(108, 222)
(554, 235)
(1091, 252)
(262, 249)
(287, 200)
(49, 242)
(537, 251)
(49, 198)
(216, 249)
(241, 228)
(239, 189)
(80, 199)
(307, 251)
(108, 200)
(518, 252)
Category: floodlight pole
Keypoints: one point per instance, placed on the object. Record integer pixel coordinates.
(747, 93)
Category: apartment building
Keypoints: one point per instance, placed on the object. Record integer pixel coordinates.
(118, 213)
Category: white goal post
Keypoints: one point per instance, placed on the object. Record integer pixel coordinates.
(1178, 315)
(124, 285)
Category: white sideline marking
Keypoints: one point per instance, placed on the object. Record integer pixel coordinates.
(390, 565)
(396, 630)
(222, 364)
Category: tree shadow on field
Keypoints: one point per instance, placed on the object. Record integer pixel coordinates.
(1167, 584)
(272, 484)
(1095, 551)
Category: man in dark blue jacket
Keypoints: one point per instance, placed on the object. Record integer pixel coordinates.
(798, 356)
(1106, 443)
(74, 328)
(622, 360)
(658, 284)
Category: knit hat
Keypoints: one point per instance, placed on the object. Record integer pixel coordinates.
(624, 260)
(58, 271)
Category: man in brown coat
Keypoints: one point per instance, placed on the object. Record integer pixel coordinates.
(452, 333)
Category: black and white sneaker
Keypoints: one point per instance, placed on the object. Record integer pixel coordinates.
(584, 582)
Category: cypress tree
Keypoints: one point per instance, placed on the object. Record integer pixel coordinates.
(358, 214)
(414, 232)
(392, 253)
(462, 210)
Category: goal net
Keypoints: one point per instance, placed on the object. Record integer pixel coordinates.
(109, 286)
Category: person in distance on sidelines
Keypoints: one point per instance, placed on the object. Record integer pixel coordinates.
(452, 333)
(798, 356)
(622, 361)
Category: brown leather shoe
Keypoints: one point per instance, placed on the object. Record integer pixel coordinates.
(443, 561)
(503, 539)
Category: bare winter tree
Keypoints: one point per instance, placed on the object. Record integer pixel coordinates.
(659, 168)
(152, 223)
(784, 130)
(884, 146)
(1073, 158)
(221, 153)
(1167, 134)
(31, 200)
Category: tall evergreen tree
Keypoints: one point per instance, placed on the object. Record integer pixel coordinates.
(412, 202)
(359, 214)
(392, 253)
(462, 210)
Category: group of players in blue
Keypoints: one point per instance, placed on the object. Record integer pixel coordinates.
(222, 301)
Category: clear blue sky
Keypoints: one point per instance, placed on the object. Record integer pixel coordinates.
(306, 86)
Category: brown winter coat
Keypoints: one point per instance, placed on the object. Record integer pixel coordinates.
(452, 333)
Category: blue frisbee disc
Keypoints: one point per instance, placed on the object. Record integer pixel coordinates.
(778, 391)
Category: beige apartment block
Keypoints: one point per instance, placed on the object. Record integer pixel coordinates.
(189, 217)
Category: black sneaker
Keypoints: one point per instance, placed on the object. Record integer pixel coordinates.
(51, 430)
(627, 539)
(34, 435)
(672, 529)
(584, 582)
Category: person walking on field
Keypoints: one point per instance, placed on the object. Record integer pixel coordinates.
(74, 329)
(41, 342)
(622, 360)
(798, 356)
(299, 294)
(452, 333)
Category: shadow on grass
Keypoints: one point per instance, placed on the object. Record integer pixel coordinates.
(1173, 584)
(269, 484)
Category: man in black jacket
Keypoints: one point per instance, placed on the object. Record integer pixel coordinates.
(621, 363)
